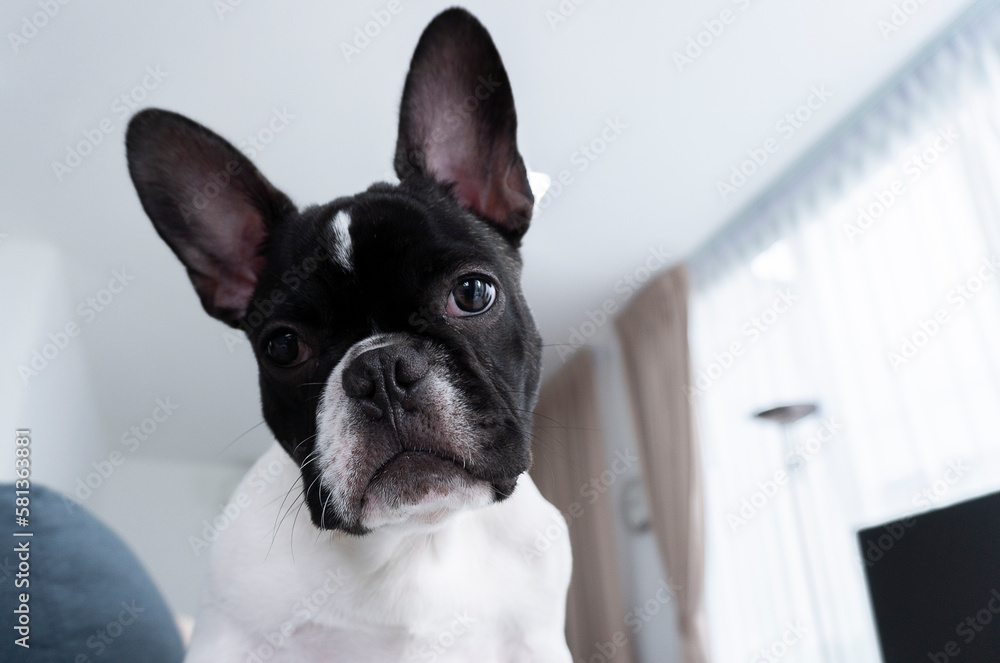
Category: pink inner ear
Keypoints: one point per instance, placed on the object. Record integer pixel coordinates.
(469, 190)
(453, 162)
(236, 289)
(230, 263)
(473, 186)
(241, 260)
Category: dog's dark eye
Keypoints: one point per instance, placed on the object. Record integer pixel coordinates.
(285, 348)
(471, 296)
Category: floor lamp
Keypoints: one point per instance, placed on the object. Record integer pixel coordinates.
(785, 416)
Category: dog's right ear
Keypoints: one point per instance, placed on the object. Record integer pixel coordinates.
(209, 204)
(457, 123)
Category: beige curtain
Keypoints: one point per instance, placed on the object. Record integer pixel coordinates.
(568, 453)
(654, 340)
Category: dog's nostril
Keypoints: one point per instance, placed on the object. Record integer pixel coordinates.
(358, 385)
(384, 378)
(410, 368)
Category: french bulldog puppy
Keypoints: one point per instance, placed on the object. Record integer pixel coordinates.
(399, 364)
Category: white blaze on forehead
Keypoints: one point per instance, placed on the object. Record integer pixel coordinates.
(342, 237)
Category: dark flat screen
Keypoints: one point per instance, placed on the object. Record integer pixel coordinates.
(934, 584)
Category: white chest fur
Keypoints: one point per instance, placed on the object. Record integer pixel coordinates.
(472, 587)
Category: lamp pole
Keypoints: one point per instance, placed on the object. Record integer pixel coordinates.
(785, 416)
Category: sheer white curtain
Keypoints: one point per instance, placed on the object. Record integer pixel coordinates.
(890, 321)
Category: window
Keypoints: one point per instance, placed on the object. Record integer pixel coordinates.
(871, 286)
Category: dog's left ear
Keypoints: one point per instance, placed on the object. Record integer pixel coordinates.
(457, 123)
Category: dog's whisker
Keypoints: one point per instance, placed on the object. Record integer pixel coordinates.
(313, 456)
(303, 441)
(241, 436)
(278, 519)
(287, 493)
(291, 538)
(322, 517)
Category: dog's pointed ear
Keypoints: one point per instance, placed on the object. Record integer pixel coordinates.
(208, 202)
(457, 123)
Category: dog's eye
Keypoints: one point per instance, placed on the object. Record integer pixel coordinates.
(285, 348)
(470, 297)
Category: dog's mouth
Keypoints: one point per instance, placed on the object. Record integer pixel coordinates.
(431, 463)
(414, 481)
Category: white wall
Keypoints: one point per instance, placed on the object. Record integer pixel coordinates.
(50, 394)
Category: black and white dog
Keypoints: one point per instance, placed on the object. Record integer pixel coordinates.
(399, 364)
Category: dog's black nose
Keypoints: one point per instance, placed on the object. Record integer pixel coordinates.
(386, 376)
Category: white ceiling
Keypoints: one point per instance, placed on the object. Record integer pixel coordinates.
(654, 188)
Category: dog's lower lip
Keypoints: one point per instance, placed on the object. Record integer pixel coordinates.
(417, 453)
(409, 475)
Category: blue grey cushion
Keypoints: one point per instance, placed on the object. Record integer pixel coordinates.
(91, 601)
